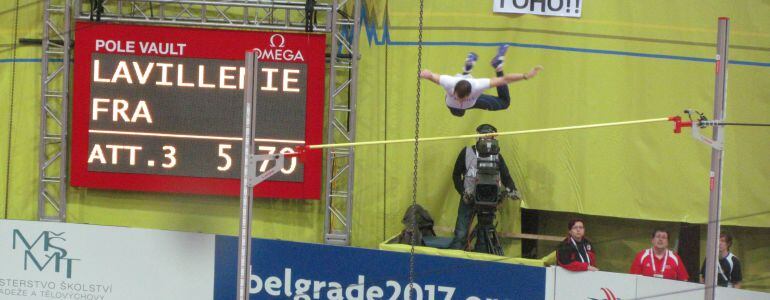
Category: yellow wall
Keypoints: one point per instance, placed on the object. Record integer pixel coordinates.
(623, 60)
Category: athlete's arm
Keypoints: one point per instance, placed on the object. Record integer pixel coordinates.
(427, 74)
(513, 77)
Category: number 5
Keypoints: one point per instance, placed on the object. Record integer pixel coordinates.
(222, 154)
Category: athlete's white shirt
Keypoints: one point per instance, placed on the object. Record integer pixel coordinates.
(477, 88)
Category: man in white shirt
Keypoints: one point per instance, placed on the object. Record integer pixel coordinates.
(465, 92)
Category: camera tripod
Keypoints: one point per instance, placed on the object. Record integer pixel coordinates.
(485, 232)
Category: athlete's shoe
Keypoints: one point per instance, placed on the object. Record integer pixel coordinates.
(499, 59)
(470, 61)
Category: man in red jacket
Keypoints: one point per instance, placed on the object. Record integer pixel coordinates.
(575, 252)
(658, 261)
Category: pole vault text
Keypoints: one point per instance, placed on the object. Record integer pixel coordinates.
(131, 47)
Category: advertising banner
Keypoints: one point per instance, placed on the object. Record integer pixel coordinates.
(309, 271)
(46, 260)
(558, 8)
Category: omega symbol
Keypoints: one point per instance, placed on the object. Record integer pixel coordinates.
(280, 38)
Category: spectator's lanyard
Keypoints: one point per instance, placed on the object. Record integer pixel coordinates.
(719, 268)
(588, 258)
(662, 267)
(722, 272)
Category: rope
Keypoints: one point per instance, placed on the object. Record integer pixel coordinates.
(503, 133)
(416, 153)
(10, 109)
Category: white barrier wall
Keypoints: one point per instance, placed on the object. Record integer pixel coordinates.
(664, 289)
(45, 260)
(592, 285)
(40, 260)
(566, 285)
(736, 294)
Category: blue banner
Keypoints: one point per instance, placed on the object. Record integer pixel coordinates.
(291, 270)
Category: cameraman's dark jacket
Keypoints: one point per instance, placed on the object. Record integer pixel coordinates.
(461, 169)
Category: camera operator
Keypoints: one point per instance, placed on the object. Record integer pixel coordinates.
(464, 176)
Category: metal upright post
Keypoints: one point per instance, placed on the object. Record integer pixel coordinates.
(249, 177)
(715, 180)
(247, 190)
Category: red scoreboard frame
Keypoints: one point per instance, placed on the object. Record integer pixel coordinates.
(199, 44)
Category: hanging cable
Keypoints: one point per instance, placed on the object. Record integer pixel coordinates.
(416, 153)
(10, 109)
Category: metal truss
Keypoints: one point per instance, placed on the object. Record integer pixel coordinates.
(54, 89)
(253, 14)
(330, 16)
(343, 78)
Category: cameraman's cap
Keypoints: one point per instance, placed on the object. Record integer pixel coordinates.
(486, 128)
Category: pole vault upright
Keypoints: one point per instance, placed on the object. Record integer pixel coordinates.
(715, 178)
(249, 178)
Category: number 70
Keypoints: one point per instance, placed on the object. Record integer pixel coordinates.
(263, 166)
(285, 150)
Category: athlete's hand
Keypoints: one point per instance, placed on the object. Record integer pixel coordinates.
(427, 74)
(592, 268)
(532, 73)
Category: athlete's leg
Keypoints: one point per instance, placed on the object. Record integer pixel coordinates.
(503, 99)
(499, 59)
(497, 63)
(489, 102)
(502, 93)
(456, 111)
(470, 61)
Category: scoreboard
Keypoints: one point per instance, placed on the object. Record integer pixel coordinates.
(161, 108)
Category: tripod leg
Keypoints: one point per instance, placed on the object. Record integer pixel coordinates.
(490, 241)
(494, 243)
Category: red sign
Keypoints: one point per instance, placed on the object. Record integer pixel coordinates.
(160, 109)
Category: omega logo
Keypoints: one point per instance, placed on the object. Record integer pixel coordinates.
(279, 38)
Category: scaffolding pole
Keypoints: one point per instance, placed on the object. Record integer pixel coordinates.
(341, 128)
(54, 104)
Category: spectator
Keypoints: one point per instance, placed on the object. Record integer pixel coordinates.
(658, 261)
(575, 253)
(729, 267)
